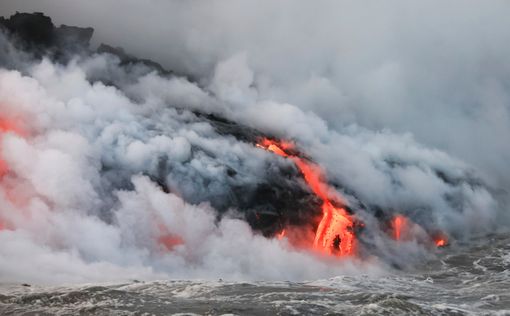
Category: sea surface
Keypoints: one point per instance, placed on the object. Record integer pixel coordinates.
(472, 279)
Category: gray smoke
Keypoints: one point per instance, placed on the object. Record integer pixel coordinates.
(405, 106)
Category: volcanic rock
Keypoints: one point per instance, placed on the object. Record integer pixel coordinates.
(36, 33)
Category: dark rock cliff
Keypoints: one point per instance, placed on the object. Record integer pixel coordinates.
(36, 33)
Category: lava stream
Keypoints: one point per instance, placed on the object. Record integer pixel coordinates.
(399, 224)
(402, 230)
(440, 239)
(335, 232)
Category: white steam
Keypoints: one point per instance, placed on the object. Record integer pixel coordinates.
(357, 86)
(62, 194)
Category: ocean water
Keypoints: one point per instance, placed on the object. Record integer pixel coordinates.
(470, 279)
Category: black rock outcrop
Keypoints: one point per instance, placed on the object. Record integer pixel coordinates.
(127, 59)
(36, 33)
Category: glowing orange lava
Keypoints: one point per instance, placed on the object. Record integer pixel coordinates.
(440, 240)
(401, 229)
(399, 223)
(335, 232)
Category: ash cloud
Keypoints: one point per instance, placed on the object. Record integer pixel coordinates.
(403, 106)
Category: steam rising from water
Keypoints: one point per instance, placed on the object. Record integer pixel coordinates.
(80, 201)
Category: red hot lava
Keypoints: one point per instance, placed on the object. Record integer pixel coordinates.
(335, 232)
(401, 231)
(399, 224)
(440, 240)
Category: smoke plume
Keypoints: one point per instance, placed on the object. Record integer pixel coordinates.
(113, 170)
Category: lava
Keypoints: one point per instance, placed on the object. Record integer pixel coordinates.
(399, 224)
(401, 230)
(335, 232)
(440, 240)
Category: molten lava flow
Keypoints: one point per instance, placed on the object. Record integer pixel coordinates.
(335, 232)
(440, 240)
(399, 224)
(401, 230)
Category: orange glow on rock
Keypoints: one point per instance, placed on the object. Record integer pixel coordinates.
(335, 232)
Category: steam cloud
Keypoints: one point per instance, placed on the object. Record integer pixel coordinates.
(405, 106)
